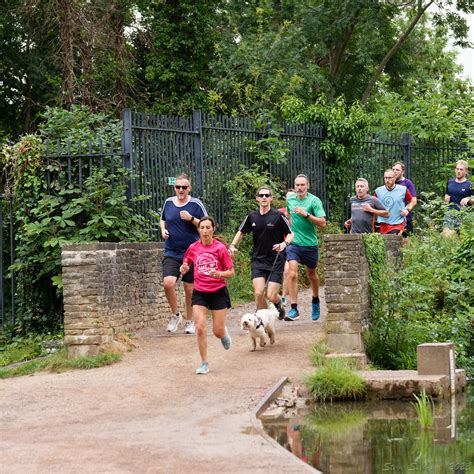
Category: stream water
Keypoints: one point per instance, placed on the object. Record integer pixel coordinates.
(382, 436)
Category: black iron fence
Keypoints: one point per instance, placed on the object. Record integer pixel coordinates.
(213, 150)
(73, 164)
(426, 163)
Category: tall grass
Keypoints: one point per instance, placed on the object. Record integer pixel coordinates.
(424, 407)
(333, 378)
(335, 382)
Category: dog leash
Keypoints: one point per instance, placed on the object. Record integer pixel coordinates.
(268, 279)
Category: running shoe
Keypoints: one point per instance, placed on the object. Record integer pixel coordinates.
(202, 369)
(226, 340)
(174, 322)
(281, 312)
(284, 300)
(316, 311)
(292, 315)
(189, 327)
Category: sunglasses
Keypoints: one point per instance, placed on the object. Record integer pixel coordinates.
(264, 195)
(180, 187)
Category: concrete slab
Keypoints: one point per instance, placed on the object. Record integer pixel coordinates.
(400, 384)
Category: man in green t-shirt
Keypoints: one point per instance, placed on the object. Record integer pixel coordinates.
(307, 213)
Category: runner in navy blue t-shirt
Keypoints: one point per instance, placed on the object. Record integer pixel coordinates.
(179, 220)
(458, 194)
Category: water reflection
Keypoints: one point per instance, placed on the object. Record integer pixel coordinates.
(377, 437)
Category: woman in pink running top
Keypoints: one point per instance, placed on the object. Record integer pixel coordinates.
(212, 266)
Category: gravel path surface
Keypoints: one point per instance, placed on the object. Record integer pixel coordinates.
(150, 412)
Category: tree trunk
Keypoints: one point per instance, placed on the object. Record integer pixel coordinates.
(370, 86)
(336, 60)
(120, 86)
(67, 42)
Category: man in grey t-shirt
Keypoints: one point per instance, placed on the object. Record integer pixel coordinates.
(364, 208)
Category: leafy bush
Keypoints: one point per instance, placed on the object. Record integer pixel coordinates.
(49, 215)
(429, 298)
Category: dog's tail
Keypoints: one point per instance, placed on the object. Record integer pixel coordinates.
(270, 305)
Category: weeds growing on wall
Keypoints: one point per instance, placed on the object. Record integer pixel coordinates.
(428, 298)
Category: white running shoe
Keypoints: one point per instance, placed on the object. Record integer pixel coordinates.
(174, 322)
(189, 327)
(202, 369)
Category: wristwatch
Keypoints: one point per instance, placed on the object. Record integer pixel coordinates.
(307, 215)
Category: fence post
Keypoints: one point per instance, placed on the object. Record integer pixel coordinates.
(198, 179)
(127, 148)
(406, 138)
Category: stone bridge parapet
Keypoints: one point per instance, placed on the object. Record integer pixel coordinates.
(110, 288)
(347, 290)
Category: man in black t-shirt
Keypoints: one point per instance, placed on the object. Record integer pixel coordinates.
(271, 235)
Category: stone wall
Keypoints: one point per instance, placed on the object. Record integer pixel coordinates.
(111, 288)
(346, 289)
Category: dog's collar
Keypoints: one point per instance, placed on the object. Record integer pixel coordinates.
(259, 322)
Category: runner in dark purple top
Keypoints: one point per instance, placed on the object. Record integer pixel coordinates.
(399, 168)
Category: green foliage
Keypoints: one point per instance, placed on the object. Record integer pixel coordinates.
(317, 355)
(424, 407)
(336, 383)
(237, 57)
(79, 126)
(430, 115)
(429, 298)
(47, 218)
(175, 52)
(269, 147)
(432, 211)
(19, 349)
(344, 125)
(59, 362)
(268, 60)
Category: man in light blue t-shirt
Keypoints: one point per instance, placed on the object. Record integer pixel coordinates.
(399, 202)
(307, 213)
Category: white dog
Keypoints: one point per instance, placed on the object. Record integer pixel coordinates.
(260, 323)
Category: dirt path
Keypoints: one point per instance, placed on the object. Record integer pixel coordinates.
(151, 413)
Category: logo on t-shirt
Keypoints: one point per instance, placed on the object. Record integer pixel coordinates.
(388, 201)
(206, 263)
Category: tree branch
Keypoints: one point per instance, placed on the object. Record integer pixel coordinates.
(370, 86)
(339, 51)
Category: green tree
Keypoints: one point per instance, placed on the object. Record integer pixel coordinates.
(28, 76)
(176, 43)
